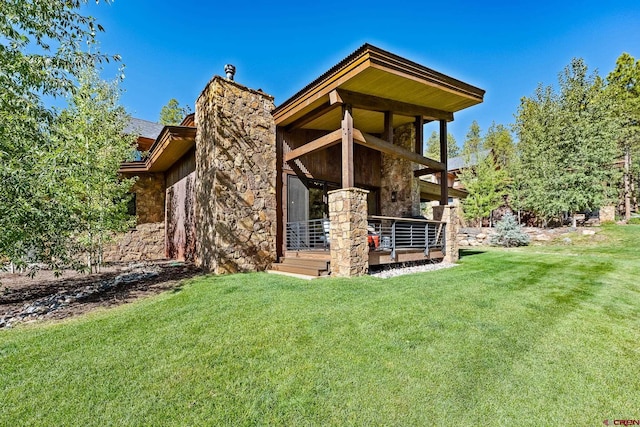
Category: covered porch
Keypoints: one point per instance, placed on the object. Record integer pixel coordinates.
(350, 155)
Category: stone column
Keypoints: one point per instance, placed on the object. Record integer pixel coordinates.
(348, 232)
(607, 214)
(235, 192)
(400, 190)
(449, 214)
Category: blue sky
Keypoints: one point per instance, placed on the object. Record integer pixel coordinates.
(171, 49)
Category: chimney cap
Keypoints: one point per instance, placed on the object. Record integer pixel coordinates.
(230, 71)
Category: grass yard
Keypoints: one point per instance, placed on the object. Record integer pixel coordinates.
(544, 335)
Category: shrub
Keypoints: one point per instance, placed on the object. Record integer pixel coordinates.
(509, 233)
(634, 220)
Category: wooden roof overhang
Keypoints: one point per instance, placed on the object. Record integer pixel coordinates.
(373, 81)
(172, 143)
(368, 94)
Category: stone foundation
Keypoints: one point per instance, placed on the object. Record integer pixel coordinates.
(449, 214)
(348, 232)
(397, 177)
(235, 189)
(145, 242)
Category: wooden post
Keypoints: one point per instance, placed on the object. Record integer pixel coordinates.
(348, 179)
(419, 135)
(444, 177)
(388, 127)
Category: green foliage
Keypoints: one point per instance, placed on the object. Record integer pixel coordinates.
(567, 145)
(40, 54)
(486, 185)
(508, 233)
(473, 142)
(93, 145)
(500, 141)
(623, 86)
(433, 146)
(507, 338)
(172, 113)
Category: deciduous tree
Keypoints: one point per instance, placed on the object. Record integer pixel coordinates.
(43, 48)
(91, 141)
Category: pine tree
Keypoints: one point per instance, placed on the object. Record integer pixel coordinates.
(172, 113)
(433, 146)
(623, 86)
(567, 145)
(473, 141)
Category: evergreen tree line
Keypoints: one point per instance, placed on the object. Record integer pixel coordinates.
(577, 149)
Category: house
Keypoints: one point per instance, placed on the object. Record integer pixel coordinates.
(326, 181)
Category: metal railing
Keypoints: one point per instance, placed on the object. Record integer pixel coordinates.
(308, 235)
(390, 234)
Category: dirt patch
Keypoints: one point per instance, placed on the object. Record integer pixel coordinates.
(25, 299)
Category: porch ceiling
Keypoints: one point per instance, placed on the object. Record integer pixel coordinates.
(373, 72)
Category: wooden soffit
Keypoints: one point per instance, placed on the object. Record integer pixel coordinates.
(375, 79)
(172, 143)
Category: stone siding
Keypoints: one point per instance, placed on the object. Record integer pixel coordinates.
(397, 176)
(149, 190)
(348, 232)
(145, 242)
(235, 188)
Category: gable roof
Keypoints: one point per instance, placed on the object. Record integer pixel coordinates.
(143, 128)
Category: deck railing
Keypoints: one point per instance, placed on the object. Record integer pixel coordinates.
(392, 234)
(385, 234)
(308, 235)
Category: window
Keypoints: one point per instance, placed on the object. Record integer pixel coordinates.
(131, 205)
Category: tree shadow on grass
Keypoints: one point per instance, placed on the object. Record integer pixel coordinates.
(469, 252)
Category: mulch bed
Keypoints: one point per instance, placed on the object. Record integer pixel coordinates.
(25, 299)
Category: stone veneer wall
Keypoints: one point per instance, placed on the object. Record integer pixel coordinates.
(149, 189)
(449, 214)
(397, 175)
(235, 178)
(348, 232)
(145, 242)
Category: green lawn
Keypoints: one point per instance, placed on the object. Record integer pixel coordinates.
(544, 335)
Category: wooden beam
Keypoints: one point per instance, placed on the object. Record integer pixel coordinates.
(348, 175)
(419, 125)
(321, 143)
(378, 144)
(421, 172)
(375, 103)
(444, 179)
(311, 116)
